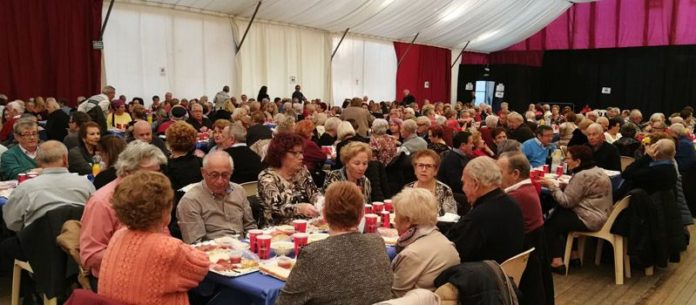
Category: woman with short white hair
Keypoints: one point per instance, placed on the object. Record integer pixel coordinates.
(422, 251)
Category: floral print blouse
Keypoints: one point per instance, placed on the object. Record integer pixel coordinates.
(279, 196)
(444, 197)
(340, 175)
(384, 148)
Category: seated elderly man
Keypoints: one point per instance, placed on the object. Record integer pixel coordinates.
(248, 163)
(605, 155)
(142, 130)
(53, 188)
(514, 168)
(538, 149)
(214, 207)
(494, 228)
(21, 157)
(412, 143)
(99, 220)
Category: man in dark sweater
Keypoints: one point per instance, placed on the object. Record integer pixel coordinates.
(57, 121)
(408, 98)
(494, 228)
(454, 161)
(517, 129)
(605, 155)
(258, 131)
(247, 164)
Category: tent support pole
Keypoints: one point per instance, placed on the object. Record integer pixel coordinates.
(106, 20)
(339, 43)
(407, 49)
(460, 54)
(256, 10)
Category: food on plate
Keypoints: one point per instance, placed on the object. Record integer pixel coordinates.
(282, 247)
(320, 224)
(210, 247)
(390, 236)
(285, 229)
(227, 265)
(317, 237)
(280, 237)
(285, 262)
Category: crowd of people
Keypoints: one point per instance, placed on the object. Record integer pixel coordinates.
(430, 158)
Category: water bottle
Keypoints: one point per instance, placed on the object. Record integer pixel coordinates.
(556, 158)
(96, 165)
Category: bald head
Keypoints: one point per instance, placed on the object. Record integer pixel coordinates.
(52, 154)
(142, 131)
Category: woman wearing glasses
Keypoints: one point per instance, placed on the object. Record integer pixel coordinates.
(426, 164)
(356, 156)
(286, 188)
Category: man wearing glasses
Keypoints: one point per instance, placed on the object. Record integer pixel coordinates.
(21, 157)
(215, 207)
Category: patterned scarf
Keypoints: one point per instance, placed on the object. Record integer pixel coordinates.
(411, 235)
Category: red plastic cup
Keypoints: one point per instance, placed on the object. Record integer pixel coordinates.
(300, 225)
(235, 256)
(378, 207)
(252, 238)
(368, 209)
(370, 223)
(263, 244)
(559, 170)
(546, 168)
(300, 240)
(21, 178)
(386, 222)
(388, 205)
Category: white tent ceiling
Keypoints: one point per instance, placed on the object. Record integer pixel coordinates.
(490, 25)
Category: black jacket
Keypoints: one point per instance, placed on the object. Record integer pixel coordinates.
(627, 146)
(247, 164)
(653, 228)
(104, 177)
(451, 169)
(578, 138)
(198, 125)
(481, 283)
(378, 181)
(408, 100)
(326, 140)
(57, 125)
(184, 170)
(521, 134)
(607, 157)
(53, 268)
(493, 229)
(258, 132)
(640, 174)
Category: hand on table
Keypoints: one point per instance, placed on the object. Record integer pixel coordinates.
(307, 209)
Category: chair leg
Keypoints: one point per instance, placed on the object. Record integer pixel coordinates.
(618, 260)
(626, 258)
(16, 280)
(568, 249)
(582, 240)
(649, 271)
(53, 301)
(598, 253)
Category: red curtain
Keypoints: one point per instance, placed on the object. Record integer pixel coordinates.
(617, 24)
(47, 48)
(423, 64)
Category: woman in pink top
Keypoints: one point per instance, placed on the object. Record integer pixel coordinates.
(143, 264)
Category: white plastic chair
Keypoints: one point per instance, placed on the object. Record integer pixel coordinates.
(251, 188)
(626, 161)
(514, 267)
(16, 279)
(621, 261)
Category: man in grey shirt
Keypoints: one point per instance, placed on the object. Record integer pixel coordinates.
(214, 207)
(55, 187)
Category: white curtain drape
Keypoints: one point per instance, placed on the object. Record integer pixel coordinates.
(281, 57)
(363, 67)
(149, 51)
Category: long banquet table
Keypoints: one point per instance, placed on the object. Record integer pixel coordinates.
(254, 288)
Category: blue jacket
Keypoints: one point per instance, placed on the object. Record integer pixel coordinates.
(686, 154)
(535, 152)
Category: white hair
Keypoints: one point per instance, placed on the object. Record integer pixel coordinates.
(483, 170)
(491, 121)
(409, 126)
(595, 126)
(657, 116)
(530, 115)
(440, 120)
(222, 153)
(17, 106)
(635, 113)
(135, 153)
(678, 129)
(332, 123)
(345, 129)
(379, 127)
(515, 116)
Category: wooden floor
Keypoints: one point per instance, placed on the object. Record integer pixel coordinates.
(590, 284)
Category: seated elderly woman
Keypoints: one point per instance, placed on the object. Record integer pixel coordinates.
(109, 148)
(183, 165)
(426, 164)
(436, 139)
(220, 138)
(346, 134)
(328, 138)
(395, 128)
(286, 188)
(422, 251)
(82, 157)
(382, 144)
(314, 158)
(329, 271)
(356, 155)
(139, 255)
(584, 204)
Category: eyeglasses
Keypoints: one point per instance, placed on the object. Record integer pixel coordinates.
(30, 135)
(297, 154)
(425, 166)
(216, 175)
